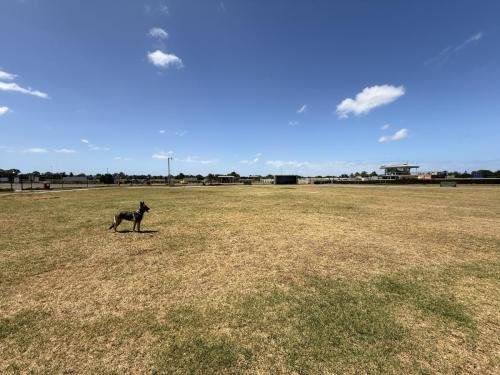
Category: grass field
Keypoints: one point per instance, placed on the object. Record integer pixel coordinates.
(252, 279)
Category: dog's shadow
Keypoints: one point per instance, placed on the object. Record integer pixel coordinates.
(141, 232)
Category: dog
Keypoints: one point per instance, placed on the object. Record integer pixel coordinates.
(136, 217)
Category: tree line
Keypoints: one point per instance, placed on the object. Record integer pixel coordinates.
(110, 178)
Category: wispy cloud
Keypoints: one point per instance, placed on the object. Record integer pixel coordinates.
(4, 110)
(222, 7)
(12, 86)
(368, 99)
(400, 134)
(472, 39)
(447, 53)
(197, 160)
(161, 131)
(160, 7)
(293, 123)
(98, 148)
(302, 109)
(162, 155)
(94, 147)
(181, 133)
(385, 127)
(328, 168)
(164, 60)
(64, 151)
(255, 160)
(158, 32)
(163, 8)
(4, 76)
(121, 158)
(289, 163)
(37, 150)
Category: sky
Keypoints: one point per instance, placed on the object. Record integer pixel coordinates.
(259, 87)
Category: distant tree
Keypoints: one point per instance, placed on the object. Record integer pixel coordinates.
(373, 174)
(233, 173)
(199, 177)
(107, 179)
(486, 173)
(180, 176)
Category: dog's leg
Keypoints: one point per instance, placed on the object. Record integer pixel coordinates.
(117, 222)
(139, 227)
(135, 222)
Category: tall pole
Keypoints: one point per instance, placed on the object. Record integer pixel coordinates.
(168, 160)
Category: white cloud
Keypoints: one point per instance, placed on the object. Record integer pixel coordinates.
(368, 99)
(37, 150)
(163, 9)
(181, 133)
(324, 168)
(4, 110)
(472, 39)
(97, 148)
(94, 147)
(197, 160)
(121, 158)
(4, 76)
(160, 8)
(255, 160)
(302, 109)
(385, 127)
(158, 32)
(4, 86)
(162, 131)
(65, 151)
(162, 155)
(400, 134)
(164, 60)
(292, 163)
(293, 123)
(445, 54)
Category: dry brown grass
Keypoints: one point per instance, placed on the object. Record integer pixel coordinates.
(256, 279)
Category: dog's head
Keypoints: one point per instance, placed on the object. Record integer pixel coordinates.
(143, 207)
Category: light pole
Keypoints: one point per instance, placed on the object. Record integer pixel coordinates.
(168, 161)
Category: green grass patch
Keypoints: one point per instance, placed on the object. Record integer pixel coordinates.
(326, 326)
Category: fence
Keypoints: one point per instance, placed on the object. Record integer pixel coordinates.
(20, 184)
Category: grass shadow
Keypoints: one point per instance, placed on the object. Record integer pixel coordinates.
(141, 232)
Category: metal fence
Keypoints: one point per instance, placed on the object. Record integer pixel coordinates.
(27, 184)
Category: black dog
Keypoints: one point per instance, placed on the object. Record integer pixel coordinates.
(136, 217)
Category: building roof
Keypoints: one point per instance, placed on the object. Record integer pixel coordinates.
(405, 165)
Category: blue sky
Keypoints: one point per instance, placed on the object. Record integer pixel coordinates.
(309, 87)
